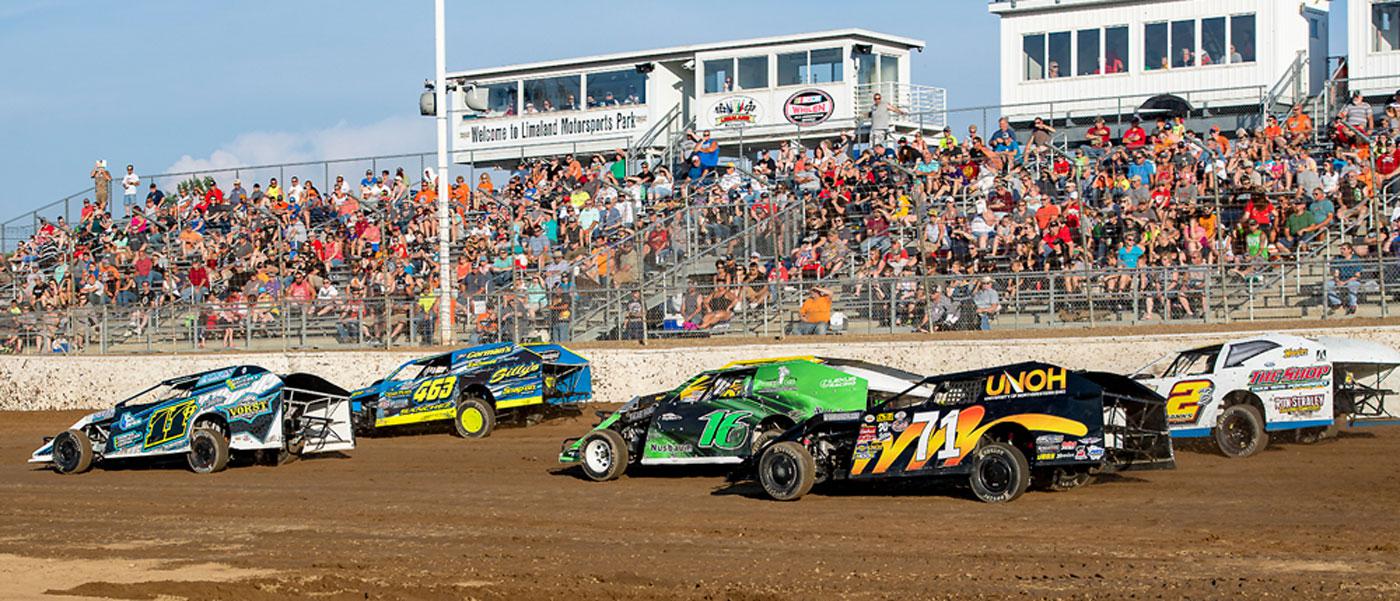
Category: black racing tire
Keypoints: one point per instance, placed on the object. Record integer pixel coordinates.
(787, 471)
(475, 417)
(1000, 473)
(208, 452)
(603, 455)
(1240, 432)
(72, 452)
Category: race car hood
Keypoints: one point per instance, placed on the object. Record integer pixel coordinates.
(44, 453)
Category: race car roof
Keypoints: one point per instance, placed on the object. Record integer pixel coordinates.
(1347, 350)
(877, 377)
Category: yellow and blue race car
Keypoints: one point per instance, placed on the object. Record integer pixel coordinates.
(474, 386)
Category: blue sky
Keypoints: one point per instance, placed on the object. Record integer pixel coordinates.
(176, 85)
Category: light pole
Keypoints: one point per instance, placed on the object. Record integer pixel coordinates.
(444, 218)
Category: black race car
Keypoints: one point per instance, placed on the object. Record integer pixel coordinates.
(1001, 428)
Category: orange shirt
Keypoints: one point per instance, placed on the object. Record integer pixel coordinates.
(816, 309)
(1299, 123)
(426, 196)
(1272, 131)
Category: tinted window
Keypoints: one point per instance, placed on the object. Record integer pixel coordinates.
(753, 72)
(826, 66)
(1183, 43)
(1033, 47)
(1244, 351)
(791, 68)
(1212, 41)
(1115, 49)
(1242, 38)
(1154, 47)
(1087, 47)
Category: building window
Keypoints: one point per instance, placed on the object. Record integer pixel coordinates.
(826, 66)
(1115, 49)
(889, 68)
(1033, 48)
(792, 68)
(753, 72)
(1385, 20)
(1242, 39)
(818, 66)
(1059, 65)
(1154, 47)
(719, 75)
(1212, 41)
(1087, 48)
(865, 68)
(1183, 43)
(611, 88)
(551, 94)
(501, 97)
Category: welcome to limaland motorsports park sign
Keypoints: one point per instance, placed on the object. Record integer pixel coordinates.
(550, 128)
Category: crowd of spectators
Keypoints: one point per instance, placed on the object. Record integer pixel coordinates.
(1147, 206)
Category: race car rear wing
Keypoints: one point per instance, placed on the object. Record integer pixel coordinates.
(1136, 435)
(317, 415)
(568, 376)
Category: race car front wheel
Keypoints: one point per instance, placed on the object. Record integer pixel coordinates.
(1240, 432)
(1000, 473)
(787, 471)
(208, 450)
(603, 455)
(475, 417)
(72, 452)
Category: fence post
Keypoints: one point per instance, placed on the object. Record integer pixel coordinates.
(303, 326)
(103, 332)
(1205, 300)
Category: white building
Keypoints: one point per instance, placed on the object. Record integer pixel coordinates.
(1105, 57)
(756, 90)
(1373, 46)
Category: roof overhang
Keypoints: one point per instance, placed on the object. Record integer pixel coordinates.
(685, 52)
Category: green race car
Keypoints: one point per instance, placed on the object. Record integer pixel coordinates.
(721, 416)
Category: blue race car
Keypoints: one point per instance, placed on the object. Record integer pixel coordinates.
(207, 417)
(473, 386)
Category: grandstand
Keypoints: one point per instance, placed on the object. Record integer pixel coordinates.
(1149, 216)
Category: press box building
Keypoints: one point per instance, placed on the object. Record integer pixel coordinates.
(754, 92)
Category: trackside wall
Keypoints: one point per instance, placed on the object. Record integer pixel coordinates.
(94, 382)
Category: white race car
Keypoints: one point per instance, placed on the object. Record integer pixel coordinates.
(1242, 391)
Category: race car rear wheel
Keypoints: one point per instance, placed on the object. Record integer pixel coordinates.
(72, 452)
(787, 471)
(1000, 473)
(208, 450)
(1240, 432)
(475, 417)
(603, 455)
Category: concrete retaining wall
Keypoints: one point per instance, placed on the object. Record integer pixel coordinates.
(47, 382)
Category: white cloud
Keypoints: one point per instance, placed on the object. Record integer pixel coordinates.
(395, 135)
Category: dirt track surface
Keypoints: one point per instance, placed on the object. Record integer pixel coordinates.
(434, 517)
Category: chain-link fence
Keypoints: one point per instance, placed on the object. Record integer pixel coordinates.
(521, 307)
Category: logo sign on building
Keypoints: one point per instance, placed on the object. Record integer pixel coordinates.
(562, 126)
(808, 107)
(735, 111)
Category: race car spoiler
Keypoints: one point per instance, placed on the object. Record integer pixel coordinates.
(1136, 435)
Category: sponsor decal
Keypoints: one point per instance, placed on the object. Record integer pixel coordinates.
(1049, 439)
(1045, 456)
(843, 416)
(549, 355)
(214, 376)
(247, 411)
(1186, 399)
(870, 419)
(1091, 440)
(1034, 382)
(735, 111)
(1081, 453)
(243, 381)
(865, 450)
(900, 422)
(1068, 445)
(669, 417)
(489, 352)
(669, 447)
(1292, 378)
(1290, 353)
(516, 371)
(1304, 403)
(838, 382)
(1095, 452)
(104, 414)
(426, 408)
(129, 421)
(125, 440)
(809, 107)
(522, 389)
(866, 434)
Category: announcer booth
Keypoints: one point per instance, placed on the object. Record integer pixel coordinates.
(1083, 58)
(752, 92)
